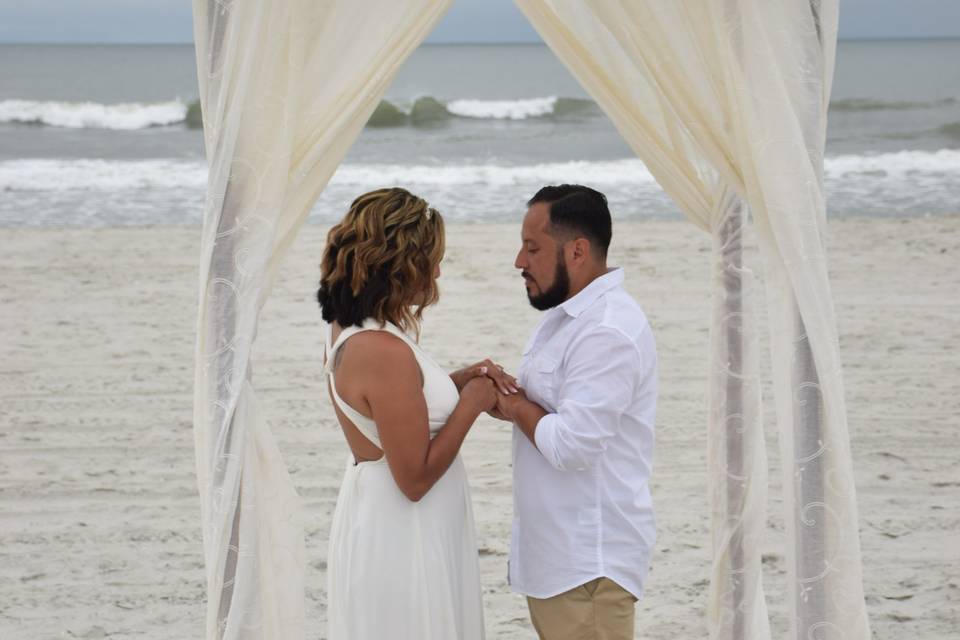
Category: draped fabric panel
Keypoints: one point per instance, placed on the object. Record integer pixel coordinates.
(630, 72)
(285, 89)
(730, 96)
(736, 456)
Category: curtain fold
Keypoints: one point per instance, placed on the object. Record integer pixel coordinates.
(285, 89)
(736, 458)
(731, 96)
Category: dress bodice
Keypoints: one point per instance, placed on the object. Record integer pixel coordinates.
(438, 389)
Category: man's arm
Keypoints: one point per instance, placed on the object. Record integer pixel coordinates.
(599, 383)
(522, 411)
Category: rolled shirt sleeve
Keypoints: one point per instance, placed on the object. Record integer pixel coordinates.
(598, 385)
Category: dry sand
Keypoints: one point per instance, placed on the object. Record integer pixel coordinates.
(99, 516)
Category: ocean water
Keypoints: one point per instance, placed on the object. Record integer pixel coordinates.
(103, 135)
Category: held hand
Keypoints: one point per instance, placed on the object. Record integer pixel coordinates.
(504, 382)
(507, 404)
(495, 413)
(481, 393)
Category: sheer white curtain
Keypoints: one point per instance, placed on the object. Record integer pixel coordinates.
(285, 89)
(725, 101)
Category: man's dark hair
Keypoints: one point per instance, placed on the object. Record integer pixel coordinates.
(580, 212)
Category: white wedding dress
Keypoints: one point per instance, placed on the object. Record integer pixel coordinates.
(396, 569)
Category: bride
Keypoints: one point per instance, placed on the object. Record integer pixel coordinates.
(402, 561)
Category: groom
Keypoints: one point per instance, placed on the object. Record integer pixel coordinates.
(583, 525)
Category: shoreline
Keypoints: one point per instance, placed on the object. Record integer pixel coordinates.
(452, 224)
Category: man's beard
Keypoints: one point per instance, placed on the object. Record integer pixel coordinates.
(558, 291)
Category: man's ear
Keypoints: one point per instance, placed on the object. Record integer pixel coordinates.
(581, 249)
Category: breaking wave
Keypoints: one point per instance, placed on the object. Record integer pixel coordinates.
(428, 110)
(120, 192)
(92, 115)
(112, 175)
(423, 111)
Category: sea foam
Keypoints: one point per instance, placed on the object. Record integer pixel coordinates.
(503, 109)
(898, 164)
(101, 175)
(111, 175)
(426, 109)
(422, 111)
(92, 115)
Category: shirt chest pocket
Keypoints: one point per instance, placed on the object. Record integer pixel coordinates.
(544, 385)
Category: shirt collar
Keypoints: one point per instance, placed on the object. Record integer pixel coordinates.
(590, 293)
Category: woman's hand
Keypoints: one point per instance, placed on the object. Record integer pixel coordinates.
(504, 382)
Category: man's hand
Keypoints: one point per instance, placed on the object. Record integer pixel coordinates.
(521, 411)
(494, 413)
(498, 411)
(508, 404)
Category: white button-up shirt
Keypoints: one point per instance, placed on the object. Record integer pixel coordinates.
(581, 499)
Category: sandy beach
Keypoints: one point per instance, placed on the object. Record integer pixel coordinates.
(99, 514)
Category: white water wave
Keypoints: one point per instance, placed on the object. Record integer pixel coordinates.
(898, 164)
(503, 109)
(101, 175)
(587, 172)
(113, 175)
(92, 115)
(137, 115)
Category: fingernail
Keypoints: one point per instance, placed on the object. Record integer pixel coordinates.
(483, 369)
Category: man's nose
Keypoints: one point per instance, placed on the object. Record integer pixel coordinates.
(520, 263)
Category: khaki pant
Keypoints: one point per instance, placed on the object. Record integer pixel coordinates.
(598, 610)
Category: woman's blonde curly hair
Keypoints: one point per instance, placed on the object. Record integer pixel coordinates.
(379, 261)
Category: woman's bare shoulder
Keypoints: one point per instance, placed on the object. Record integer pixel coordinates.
(377, 349)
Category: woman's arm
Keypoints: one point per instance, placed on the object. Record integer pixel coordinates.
(392, 385)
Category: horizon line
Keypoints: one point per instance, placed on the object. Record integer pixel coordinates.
(445, 44)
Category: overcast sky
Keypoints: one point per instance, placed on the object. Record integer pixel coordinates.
(467, 21)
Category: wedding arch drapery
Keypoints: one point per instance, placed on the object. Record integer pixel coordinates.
(285, 89)
(724, 100)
